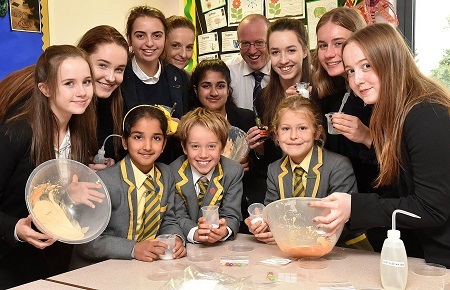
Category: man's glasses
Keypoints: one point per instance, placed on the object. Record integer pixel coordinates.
(257, 44)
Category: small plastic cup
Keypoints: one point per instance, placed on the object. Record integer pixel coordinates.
(302, 89)
(432, 273)
(331, 129)
(211, 213)
(170, 241)
(255, 210)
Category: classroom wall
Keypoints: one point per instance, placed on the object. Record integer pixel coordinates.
(69, 19)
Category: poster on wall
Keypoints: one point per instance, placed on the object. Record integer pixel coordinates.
(285, 8)
(238, 9)
(208, 43)
(229, 56)
(25, 15)
(208, 56)
(315, 10)
(215, 19)
(229, 41)
(211, 4)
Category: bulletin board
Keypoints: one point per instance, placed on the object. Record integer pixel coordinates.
(21, 34)
(217, 21)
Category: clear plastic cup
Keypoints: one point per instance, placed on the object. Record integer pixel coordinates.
(211, 213)
(170, 241)
(255, 211)
(331, 129)
(434, 274)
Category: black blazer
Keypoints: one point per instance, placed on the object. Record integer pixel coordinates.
(178, 88)
(423, 187)
(238, 117)
(21, 262)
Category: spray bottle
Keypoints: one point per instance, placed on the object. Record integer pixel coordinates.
(393, 262)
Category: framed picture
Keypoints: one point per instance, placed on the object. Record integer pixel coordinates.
(25, 15)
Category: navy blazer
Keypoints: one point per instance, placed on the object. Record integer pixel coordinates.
(178, 84)
(20, 262)
(423, 186)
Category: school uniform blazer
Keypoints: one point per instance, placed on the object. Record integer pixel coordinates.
(19, 260)
(118, 239)
(178, 84)
(423, 186)
(224, 190)
(328, 172)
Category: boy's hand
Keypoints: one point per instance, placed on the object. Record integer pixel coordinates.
(180, 250)
(206, 233)
(257, 227)
(149, 250)
(219, 233)
(266, 237)
(261, 231)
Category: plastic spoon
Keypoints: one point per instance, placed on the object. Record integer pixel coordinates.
(344, 100)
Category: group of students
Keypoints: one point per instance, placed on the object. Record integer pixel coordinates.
(49, 111)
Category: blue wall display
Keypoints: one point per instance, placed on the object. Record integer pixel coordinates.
(17, 48)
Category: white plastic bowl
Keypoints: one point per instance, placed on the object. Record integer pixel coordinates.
(55, 213)
(290, 221)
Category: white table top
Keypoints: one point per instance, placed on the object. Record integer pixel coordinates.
(359, 269)
(43, 284)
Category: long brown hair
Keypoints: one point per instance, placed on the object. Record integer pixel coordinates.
(90, 42)
(346, 18)
(15, 89)
(273, 93)
(41, 118)
(402, 86)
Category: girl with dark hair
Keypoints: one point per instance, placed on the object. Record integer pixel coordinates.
(142, 196)
(149, 81)
(210, 88)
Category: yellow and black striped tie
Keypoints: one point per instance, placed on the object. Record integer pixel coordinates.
(299, 189)
(202, 186)
(151, 218)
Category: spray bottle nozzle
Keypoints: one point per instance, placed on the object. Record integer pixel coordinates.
(99, 158)
(393, 233)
